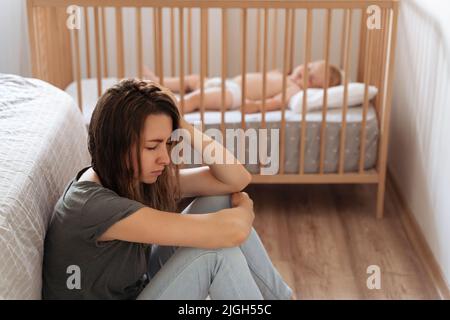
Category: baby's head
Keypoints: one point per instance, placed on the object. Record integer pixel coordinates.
(316, 75)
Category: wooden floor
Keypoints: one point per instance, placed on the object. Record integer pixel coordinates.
(322, 238)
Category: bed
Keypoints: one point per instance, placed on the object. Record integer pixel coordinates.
(43, 143)
(344, 145)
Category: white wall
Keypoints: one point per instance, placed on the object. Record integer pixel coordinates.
(419, 154)
(14, 52)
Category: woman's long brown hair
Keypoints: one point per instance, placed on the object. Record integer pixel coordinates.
(116, 129)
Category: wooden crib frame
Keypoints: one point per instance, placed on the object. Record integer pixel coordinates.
(54, 47)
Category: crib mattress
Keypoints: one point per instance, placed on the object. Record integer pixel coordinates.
(333, 125)
(333, 128)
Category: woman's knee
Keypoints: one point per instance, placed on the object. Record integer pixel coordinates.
(232, 256)
(228, 253)
(231, 253)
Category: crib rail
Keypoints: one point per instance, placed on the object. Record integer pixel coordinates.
(54, 48)
(289, 4)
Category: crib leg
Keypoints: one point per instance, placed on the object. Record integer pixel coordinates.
(380, 196)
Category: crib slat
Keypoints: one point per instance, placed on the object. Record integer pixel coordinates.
(264, 71)
(88, 45)
(139, 61)
(203, 50)
(181, 36)
(343, 37)
(384, 127)
(78, 69)
(376, 58)
(381, 88)
(258, 40)
(52, 52)
(292, 42)
(274, 38)
(98, 61)
(207, 48)
(43, 41)
(32, 33)
(189, 40)
(104, 44)
(346, 66)
(362, 46)
(244, 65)
(155, 41)
(382, 51)
(160, 46)
(309, 20)
(224, 72)
(60, 14)
(172, 41)
(368, 61)
(119, 46)
(287, 19)
(58, 61)
(263, 144)
(325, 91)
(374, 74)
(241, 138)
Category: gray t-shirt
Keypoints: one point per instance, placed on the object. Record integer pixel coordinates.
(105, 270)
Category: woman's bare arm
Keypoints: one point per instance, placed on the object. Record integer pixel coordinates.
(224, 228)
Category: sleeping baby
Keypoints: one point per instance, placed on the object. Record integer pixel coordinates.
(253, 88)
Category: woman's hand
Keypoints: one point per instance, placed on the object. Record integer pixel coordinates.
(245, 215)
(241, 199)
(225, 174)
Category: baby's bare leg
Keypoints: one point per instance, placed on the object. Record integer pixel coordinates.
(212, 100)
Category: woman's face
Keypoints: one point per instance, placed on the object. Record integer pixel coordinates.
(155, 139)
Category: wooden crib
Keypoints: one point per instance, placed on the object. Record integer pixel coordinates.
(57, 57)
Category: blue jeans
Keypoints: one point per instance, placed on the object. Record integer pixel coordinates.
(185, 273)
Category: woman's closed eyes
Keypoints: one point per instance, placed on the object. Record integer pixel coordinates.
(169, 144)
